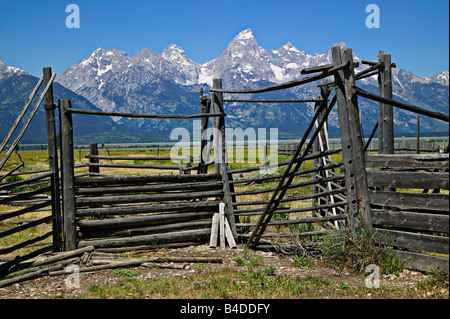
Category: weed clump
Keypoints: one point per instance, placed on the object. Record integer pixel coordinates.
(344, 252)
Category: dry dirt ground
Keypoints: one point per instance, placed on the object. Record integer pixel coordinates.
(49, 287)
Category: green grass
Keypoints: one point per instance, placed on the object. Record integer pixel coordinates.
(256, 282)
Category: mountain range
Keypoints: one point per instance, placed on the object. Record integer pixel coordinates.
(169, 83)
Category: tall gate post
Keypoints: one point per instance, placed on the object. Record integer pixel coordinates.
(203, 134)
(352, 147)
(68, 179)
(385, 112)
(53, 161)
(220, 152)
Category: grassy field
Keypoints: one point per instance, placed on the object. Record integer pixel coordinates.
(255, 278)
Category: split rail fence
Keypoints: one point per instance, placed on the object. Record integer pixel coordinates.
(403, 199)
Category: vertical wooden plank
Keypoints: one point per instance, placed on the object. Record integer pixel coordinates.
(93, 150)
(214, 231)
(222, 225)
(345, 141)
(418, 135)
(53, 160)
(220, 152)
(68, 188)
(203, 134)
(315, 163)
(362, 194)
(385, 112)
(188, 164)
(216, 101)
(351, 140)
(229, 235)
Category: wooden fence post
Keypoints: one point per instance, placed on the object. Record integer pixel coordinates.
(351, 141)
(418, 135)
(68, 178)
(53, 160)
(385, 112)
(220, 152)
(203, 134)
(93, 150)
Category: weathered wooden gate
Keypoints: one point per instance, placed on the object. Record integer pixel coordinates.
(40, 192)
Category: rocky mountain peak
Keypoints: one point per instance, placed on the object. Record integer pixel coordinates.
(6, 70)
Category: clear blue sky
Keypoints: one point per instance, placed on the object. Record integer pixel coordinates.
(33, 33)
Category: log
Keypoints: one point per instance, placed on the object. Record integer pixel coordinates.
(10, 186)
(68, 176)
(7, 215)
(148, 247)
(200, 206)
(276, 176)
(146, 230)
(145, 116)
(421, 180)
(421, 262)
(294, 198)
(27, 123)
(396, 238)
(288, 235)
(410, 161)
(411, 220)
(21, 115)
(414, 201)
(150, 188)
(63, 263)
(62, 256)
(285, 163)
(138, 166)
(272, 101)
(127, 199)
(259, 211)
(296, 185)
(188, 235)
(299, 221)
(120, 264)
(404, 106)
(141, 158)
(143, 179)
(87, 225)
(190, 259)
(23, 195)
(285, 85)
(33, 275)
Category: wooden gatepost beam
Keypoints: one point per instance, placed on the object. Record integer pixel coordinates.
(53, 159)
(68, 175)
(352, 144)
(220, 152)
(385, 111)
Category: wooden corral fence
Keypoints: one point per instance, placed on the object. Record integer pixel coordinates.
(318, 189)
(375, 199)
(23, 195)
(118, 211)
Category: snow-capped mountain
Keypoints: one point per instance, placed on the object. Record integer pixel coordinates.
(441, 78)
(6, 70)
(169, 83)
